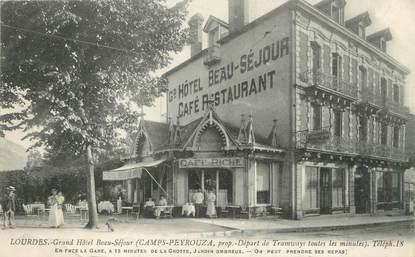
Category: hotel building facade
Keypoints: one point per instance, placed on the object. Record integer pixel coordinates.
(297, 111)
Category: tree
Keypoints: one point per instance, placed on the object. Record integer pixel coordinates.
(80, 69)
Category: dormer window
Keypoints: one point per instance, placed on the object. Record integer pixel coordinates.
(362, 32)
(383, 44)
(337, 14)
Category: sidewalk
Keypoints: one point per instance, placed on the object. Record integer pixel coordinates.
(221, 227)
(317, 223)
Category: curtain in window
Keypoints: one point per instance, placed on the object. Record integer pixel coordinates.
(263, 182)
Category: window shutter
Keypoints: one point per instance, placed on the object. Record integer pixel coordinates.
(346, 65)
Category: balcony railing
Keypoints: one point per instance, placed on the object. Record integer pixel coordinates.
(396, 107)
(318, 78)
(212, 56)
(369, 96)
(307, 140)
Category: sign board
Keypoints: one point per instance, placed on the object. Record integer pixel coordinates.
(122, 175)
(211, 163)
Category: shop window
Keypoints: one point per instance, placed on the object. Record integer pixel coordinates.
(388, 189)
(310, 200)
(384, 134)
(338, 188)
(263, 183)
(317, 119)
(396, 93)
(395, 137)
(338, 123)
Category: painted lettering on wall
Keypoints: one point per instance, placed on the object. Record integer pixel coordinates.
(229, 90)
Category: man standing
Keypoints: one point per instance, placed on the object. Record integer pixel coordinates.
(198, 198)
(9, 204)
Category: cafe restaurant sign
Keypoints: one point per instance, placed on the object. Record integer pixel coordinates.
(211, 163)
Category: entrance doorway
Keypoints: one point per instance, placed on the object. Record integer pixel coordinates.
(217, 180)
(362, 190)
(325, 190)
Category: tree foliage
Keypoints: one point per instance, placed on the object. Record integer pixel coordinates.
(74, 72)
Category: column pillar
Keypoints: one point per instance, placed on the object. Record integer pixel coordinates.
(298, 201)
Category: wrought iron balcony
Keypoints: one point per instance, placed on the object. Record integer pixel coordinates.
(212, 56)
(323, 140)
(321, 79)
(396, 107)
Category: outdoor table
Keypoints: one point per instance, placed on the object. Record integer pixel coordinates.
(160, 208)
(234, 208)
(105, 206)
(127, 209)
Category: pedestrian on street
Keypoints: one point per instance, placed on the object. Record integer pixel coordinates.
(55, 214)
(198, 198)
(9, 203)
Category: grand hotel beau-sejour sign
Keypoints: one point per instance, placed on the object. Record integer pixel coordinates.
(211, 163)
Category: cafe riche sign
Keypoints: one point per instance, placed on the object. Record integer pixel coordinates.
(210, 163)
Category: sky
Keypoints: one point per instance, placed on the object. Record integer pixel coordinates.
(398, 15)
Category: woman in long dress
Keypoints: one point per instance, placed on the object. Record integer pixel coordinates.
(210, 203)
(55, 214)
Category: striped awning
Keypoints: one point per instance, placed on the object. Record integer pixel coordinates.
(129, 171)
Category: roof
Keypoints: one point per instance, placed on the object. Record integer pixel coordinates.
(363, 17)
(313, 10)
(339, 3)
(386, 33)
(214, 19)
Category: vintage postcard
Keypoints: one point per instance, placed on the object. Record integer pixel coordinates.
(207, 128)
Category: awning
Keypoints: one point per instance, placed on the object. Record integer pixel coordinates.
(129, 171)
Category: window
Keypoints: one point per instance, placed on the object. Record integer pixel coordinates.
(311, 200)
(384, 134)
(382, 44)
(362, 78)
(262, 182)
(336, 67)
(337, 14)
(213, 37)
(396, 93)
(316, 61)
(362, 32)
(395, 142)
(338, 123)
(362, 129)
(388, 189)
(316, 117)
(396, 192)
(383, 89)
(337, 187)
(380, 187)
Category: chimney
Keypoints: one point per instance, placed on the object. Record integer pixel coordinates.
(195, 24)
(238, 14)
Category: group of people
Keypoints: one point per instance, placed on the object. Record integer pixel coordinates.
(151, 209)
(8, 206)
(198, 200)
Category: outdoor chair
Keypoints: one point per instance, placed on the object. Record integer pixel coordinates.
(70, 209)
(28, 210)
(136, 211)
(245, 211)
(224, 211)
